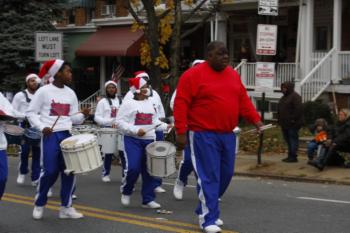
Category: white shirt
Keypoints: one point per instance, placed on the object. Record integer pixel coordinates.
(155, 98)
(104, 114)
(139, 114)
(172, 101)
(6, 107)
(20, 103)
(48, 103)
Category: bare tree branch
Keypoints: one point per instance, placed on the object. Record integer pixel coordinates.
(134, 14)
(194, 11)
(165, 13)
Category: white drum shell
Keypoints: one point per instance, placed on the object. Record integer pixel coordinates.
(81, 157)
(161, 158)
(108, 140)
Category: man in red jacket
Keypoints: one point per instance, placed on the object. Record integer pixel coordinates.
(209, 101)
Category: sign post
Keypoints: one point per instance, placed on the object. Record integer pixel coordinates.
(48, 46)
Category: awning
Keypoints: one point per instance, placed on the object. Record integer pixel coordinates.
(112, 42)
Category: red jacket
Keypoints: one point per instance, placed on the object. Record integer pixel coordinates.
(207, 100)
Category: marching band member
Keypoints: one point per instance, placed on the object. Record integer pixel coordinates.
(21, 102)
(138, 119)
(105, 115)
(6, 109)
(53, 110)
(158, 106)
(186, 166)
(210, 99)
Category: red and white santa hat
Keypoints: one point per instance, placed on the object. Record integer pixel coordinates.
(34, 76)
(136, 83)
(50, 68)
(111, 82)
(141, 74)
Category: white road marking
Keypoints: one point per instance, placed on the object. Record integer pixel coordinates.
(325, 200)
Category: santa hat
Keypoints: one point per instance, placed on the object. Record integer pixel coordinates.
(50, 68)
(36, 77)
(136, 83)
(141, 74)
(110, 82)
(197, 61)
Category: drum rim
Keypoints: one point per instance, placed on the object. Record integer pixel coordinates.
(165, 142)
(81, 145)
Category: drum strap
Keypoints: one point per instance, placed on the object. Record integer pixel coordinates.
(26, 95)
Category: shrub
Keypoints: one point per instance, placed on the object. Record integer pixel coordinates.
(314, 110)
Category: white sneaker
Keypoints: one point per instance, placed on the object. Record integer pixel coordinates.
(21, 178)
(178, 190)
(125, 200)
(49, 193)
(152, 205)
(219, 222)
(38, 212)
(212, 229)
(159, 189)
(74, 197)
(69, 212)
(106, 179)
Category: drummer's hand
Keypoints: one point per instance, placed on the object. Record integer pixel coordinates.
(141, 132)
(258, 125)
(169, 126)
(114, 126)
(85, 111)
(47, 131)
(181, 140)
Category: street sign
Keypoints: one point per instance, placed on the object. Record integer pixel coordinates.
(268, 7)
(48, 46)
(264, 76)
(266, 39)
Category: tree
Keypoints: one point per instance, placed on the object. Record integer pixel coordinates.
(161, 24)
(19, 20)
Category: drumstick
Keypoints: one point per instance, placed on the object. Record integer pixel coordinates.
(55, 122)
(265, 127)
(156, 126)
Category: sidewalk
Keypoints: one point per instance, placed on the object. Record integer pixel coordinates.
(273, 167)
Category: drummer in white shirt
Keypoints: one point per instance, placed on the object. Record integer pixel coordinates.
(105, 115)
(158, 106)
(20, 103)
(138, 119)
(5, 109)
(53, 110)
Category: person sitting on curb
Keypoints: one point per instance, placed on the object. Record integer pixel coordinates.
(319, 130)
(338, 141)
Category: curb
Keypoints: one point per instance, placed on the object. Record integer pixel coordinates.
(293, 178)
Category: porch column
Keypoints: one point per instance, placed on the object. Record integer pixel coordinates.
(102, 73)
(337, 23)
(306, 36)
(309, 34)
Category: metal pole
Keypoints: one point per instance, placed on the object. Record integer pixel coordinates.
(261, 135)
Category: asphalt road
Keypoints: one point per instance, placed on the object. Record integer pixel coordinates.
(249, 206)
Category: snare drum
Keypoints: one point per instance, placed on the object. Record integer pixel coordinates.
(32, 136)
(81, 153)
(161, 158)
(83, 129)
(108, 139)
(13, 134)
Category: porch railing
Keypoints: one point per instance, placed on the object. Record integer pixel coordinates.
(284, 72)
(344, 64)
(318, 79)
(90, 101)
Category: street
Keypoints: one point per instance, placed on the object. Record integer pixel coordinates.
(250, 205)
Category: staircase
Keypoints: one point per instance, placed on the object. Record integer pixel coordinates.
(319, 78)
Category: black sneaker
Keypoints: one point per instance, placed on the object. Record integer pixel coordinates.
(318, 165)
(290, 160)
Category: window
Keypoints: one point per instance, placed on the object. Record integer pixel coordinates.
(321, 39)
